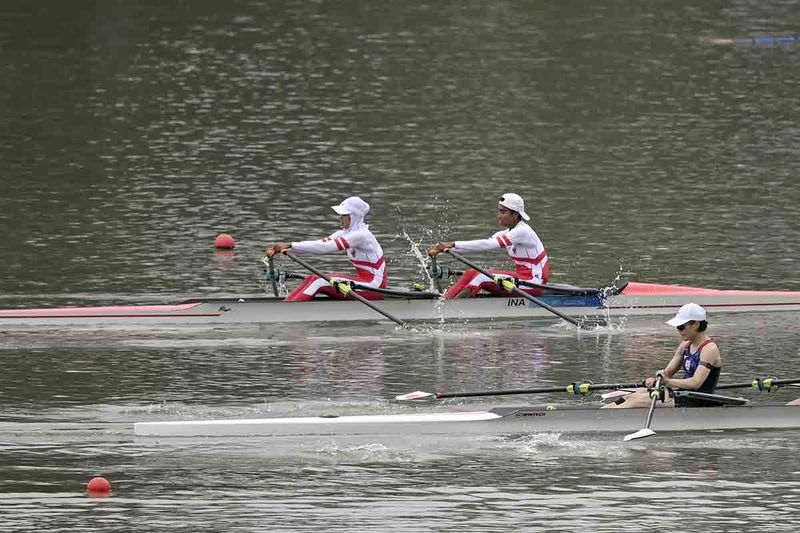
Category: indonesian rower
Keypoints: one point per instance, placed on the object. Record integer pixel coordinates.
(356, 240)
(697, 355)
(520, 241)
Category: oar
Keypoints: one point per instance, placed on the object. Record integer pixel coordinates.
(576, 388)
(762, 383)
(345, 289)
(646, 431)
(510, 287)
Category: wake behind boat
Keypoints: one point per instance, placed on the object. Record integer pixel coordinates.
(630, 299)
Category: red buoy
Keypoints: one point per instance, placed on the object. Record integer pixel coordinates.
(98, 485)
(224, 241)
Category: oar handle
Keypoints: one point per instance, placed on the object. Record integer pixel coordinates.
(518, 291)
(347, 292)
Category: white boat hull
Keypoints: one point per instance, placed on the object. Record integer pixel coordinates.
(634, 300)
(498, 421)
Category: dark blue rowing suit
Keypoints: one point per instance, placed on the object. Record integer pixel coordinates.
(690, 363)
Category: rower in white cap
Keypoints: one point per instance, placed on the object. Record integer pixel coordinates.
(697, 355)
(356, 240)
(520, 241)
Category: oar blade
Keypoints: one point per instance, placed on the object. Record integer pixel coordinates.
(414, 396)
(641, 434)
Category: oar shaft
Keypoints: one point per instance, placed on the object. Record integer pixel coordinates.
(767, 382)
(504, 392)
(582, 388)
(572, 388)
(517, 290)
(352, 294)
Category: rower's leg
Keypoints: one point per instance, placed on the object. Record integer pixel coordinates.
(640, 398)
(463, 285)
(307, 289)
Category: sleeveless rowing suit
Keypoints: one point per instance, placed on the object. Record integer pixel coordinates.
(691, 361)
(524, 248)
(364, 252)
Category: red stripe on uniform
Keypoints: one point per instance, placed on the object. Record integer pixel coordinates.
(536, 260)
(345, 243)
(500, 242)
(339, 244)
(376, 264)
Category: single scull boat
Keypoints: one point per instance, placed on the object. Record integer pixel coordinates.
(494, 421)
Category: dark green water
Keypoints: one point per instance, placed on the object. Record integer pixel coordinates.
(132, 133)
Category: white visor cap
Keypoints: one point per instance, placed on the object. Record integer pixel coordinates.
(687, 313)
(515, 203)
(352, 206)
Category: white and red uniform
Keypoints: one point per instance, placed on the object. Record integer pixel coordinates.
(524, 248)
(362, 249)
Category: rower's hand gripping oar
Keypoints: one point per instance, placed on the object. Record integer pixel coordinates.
(510, 287)
(344, 288)
(577, 388)
(655, 394)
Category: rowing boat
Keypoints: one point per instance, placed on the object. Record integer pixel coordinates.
(494, 421)
(632, 299)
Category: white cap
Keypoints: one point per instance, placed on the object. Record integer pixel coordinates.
(515, 203)
(688, 313)
(352, 206)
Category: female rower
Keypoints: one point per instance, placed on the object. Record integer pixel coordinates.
(697, 355)
(356, 240)
(522, 244)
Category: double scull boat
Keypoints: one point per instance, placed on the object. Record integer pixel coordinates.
(630, 299)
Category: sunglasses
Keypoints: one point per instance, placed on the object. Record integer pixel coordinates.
(683, 326)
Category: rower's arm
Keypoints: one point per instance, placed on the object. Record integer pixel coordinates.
(479, 245)
(674, 364)
(334, 243)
